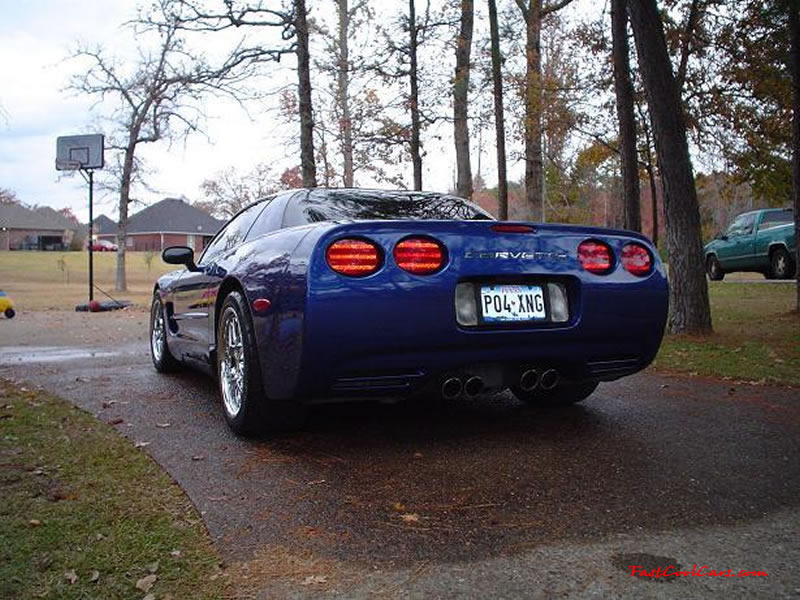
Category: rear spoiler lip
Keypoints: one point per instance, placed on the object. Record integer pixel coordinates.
(588, 230)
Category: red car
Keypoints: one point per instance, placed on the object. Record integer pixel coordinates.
(104, 246)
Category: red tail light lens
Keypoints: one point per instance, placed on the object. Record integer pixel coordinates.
(512, 228)
(595, 257)
(636, 260)
(419, 255)
(354, 257)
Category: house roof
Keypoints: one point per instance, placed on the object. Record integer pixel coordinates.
(16, 216)
(103, 224)
(56, 217)
(175, 216)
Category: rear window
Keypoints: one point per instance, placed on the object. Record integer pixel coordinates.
(351, 205)
(776, 219)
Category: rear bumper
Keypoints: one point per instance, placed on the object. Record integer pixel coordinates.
(398, 342)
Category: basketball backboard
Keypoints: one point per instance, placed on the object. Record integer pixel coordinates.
(79, 152)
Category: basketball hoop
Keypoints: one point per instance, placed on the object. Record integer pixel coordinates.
(84, 154)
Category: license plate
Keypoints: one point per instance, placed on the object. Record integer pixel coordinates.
(512, 303)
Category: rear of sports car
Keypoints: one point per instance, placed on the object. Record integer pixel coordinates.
(393, 307)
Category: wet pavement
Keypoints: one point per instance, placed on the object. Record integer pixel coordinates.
(457, 499)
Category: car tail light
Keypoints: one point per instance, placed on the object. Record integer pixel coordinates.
(636, 259)
(419, 255)
(512, 228)
(354, 257)
(595, 257)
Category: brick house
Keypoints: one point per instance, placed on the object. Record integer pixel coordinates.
(171, 222)
(24, 229)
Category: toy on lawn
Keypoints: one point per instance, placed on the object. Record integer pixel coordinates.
(6, 305)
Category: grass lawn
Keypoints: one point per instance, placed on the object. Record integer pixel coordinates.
(59, 280)
(756, 336)
(86, 515)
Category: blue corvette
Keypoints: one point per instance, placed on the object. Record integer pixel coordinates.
(314, 295)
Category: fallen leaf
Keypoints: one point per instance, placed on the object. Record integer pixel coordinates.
(82, 379)
(314, 580)
(34, 522)
(410, 517)
(399, 507)
(141, 444)
(94, 576)
(153, 567)
(175, 553)
(163, 425)
(417, 454)
(198, 457)
(116, 421)
(145, 583)
(71, 576)
(149, 597)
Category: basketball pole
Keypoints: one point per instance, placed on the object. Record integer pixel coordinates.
(91, 233)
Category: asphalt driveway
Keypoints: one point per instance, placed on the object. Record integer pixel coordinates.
(457, 499)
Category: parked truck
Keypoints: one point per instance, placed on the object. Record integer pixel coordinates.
(761, 240)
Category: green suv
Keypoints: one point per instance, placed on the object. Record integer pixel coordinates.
(761, 240)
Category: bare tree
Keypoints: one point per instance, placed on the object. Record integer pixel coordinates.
(533, 12)
(623, 88)
(689, 306)
(307, 163)
(8, 196)
(343, 90)
(499, 117)
(229, 191)
(413, 97)
(461, 100)
(794, 39)
(291, 21)
(157, 98)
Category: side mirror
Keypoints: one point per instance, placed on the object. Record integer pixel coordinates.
(721, 236)
(179, 255)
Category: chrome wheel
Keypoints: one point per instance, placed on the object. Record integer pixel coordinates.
(232, 363)
(157, 335)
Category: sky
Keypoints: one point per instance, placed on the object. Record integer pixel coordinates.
(36, 39)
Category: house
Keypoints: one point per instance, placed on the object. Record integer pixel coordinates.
(171, 222)
(41, 229)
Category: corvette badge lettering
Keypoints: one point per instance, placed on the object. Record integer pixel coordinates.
(521, 255)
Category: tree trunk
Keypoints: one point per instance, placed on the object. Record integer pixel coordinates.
(121, 284)
(460, 101)
(794, 35)
(307, 164)
(651, 178)
(623, 88)
(413, 101)
(534, 163)
(343, 93)
(499, 116)
(688, 290)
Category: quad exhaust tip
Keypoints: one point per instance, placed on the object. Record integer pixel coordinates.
(529, 380)
(549, 379)
(473, 386)
(452, 388)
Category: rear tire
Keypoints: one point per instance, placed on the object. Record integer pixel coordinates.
(248, 411)
(564, 394)
(10, 312)
(714, 270)
(782, 265)
(163, 360)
